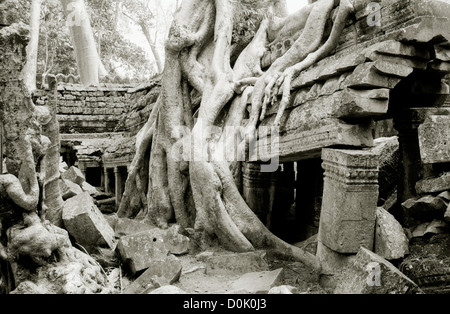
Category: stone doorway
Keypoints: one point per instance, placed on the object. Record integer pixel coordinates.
(288, 201)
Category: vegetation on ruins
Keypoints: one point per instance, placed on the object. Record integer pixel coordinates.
(205, 55)
(250, 128)
(213, 50)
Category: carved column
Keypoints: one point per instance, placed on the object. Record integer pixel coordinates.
(118, 185)
(349, 203)
(82, 167)
(102, 177)
(410, 169)
(106, 180)
(258, 189)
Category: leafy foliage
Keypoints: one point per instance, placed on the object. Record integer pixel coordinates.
(124, 60)
(55, 46)
(246, 22)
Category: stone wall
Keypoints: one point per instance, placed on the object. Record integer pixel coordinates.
(104, 109)
(87, 110)
(141, 100)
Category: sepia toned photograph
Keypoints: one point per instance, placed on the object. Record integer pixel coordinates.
(228, 149)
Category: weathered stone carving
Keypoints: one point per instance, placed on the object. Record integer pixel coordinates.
(434, 139)
(349, 200)
(354, 84)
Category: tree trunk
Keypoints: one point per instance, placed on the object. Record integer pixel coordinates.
(30, 187)
(90, 67)
(190, 163)
(152, 43)
(29, 70)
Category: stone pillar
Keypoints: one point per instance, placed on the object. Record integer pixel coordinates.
(102, 177)
(119, 185)
(410, 169)
(258, 189)
(82, 168)
(106, 180)
(350, 195)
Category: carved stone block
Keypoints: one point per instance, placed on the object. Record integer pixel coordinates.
(434, 139)
(349, 199)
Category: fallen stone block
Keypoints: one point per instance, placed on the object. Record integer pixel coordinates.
(390, 240)
(138, 250)
(447, 213)
(331, 262)
(169, 289)
(160, 272)
(75, 175)
(391, 202)
(437, 226)
(86, 187)
(434, 139)
(284, 289)
(419, 231)
(387, 151)
(127, 226)
(112, 220)
(433, 185)
(85, 223)
(69, 189)
(107, 206)
(102, 196)
(258, 282)
(176, 243)
(369, 273)
(425, 208)
(63, 167)
(236, 263)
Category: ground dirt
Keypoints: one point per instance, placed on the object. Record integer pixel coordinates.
(194, 279)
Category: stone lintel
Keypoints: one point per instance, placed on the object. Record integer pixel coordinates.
(307, 141)
(349, 200)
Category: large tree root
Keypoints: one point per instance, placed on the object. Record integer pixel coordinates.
(26, 198)
(198, 58)
(303, 53)
(134, 198)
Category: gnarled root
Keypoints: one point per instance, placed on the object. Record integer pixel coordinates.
(303, 53)
(14, 187)
(34, 239)
(134, 198)
(250, 225)
(285, 79)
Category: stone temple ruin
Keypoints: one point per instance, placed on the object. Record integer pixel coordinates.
(364, 145)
